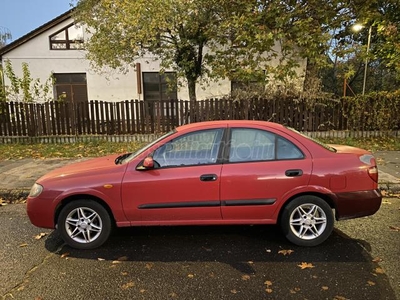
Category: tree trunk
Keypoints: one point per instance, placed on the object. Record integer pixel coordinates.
(312, 82)
(192, 89)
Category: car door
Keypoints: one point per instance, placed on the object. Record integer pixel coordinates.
(262, 167)
(184, 185)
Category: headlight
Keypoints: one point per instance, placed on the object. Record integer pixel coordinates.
(36, 190)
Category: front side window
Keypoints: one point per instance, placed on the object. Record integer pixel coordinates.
(196, 148)
(259, 145)
(68, 38)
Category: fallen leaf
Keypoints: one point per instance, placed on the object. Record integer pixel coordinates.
(269, 291)
(116, 262)
(124, 273)
(172, 295)
(295, 290)
(395, 228)
(324, 288)
(128, 285)
(123, 258)
(268, 250)
(305, 265)
(250, 262)
(379, 271)
(149, 266)
(142, 291)
(23, 245)
(286, 252)
(40, 235)
(371, 283)
(100, 259)
(234, 291)
(268, 283)
(377, 259)
(64, 255)
(245, 277)
(190, 275)
(340, 298)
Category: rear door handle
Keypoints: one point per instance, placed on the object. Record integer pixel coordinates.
(293, 173)
(208, 177)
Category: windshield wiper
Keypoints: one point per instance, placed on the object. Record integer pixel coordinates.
(120, 158)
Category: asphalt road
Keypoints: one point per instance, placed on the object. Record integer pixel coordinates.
(359, 261)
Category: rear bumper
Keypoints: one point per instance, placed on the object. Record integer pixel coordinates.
(357, 204)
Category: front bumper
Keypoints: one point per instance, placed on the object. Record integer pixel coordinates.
(40, 212)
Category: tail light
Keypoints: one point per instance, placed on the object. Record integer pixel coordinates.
(369, 159)
(373, 173)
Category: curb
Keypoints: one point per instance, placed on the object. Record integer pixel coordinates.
(13, 196)
(390, 189)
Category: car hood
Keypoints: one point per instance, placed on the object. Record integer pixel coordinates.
(84, 168)
(349, 149)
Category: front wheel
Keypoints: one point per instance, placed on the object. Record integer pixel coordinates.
(84, 224)
(307, 221)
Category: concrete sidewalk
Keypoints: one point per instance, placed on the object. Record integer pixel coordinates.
(18, 176)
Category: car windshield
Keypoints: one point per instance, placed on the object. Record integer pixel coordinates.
(141, 150)
(327, 147)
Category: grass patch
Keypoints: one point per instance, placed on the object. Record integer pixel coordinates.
(72, 150)
(372, 144)
(102, 148)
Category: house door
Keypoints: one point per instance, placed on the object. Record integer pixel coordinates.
(159, 87)
(71, 89)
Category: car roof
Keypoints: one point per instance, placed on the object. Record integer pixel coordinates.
(229, 123)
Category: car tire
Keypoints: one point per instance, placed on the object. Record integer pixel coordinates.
(307, 221)
(84, 224)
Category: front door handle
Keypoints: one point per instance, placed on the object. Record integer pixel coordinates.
(208, 177)
(293, 173)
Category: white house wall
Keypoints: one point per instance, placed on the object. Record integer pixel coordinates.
(110, 86)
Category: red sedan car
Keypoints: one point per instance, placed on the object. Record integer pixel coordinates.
(211, 173)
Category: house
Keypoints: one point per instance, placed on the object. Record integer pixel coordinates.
(56, 48)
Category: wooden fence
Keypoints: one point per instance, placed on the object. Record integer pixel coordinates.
(140, 117)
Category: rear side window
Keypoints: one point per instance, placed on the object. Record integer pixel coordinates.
(259, 145)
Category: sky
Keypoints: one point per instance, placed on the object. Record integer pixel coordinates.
(22, 16)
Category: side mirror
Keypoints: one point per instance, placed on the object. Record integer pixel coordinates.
(148, 162)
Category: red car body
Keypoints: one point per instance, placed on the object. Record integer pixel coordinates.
(223, 190)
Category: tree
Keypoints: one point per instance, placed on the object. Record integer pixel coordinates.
(349, 49)
(25, 88)
(209, 39)
(5, 35)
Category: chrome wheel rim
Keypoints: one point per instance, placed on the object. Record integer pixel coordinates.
(83, 225)
(308, 221)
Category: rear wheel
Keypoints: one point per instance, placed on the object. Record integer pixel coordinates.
(84, 224)
(307, 221)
